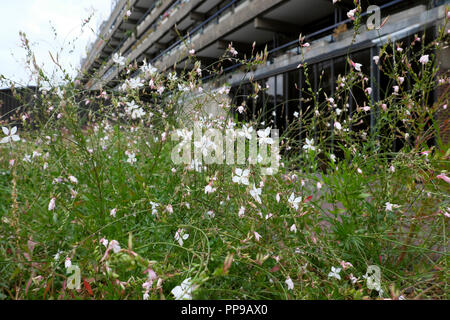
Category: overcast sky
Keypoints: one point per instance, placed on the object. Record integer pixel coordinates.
(36, 18)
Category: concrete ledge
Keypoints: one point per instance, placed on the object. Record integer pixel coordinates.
(215, 32)
(398, 26)
(119, 13)
(146, 42)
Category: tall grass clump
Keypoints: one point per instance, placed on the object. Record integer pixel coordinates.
(87, 180)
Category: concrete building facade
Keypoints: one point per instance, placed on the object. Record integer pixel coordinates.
(163, 31)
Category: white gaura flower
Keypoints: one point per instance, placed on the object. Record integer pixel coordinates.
(205, 144)
(241, 176)
(67, 263)
(154, 206)
(241, 212)
(309, 145)
(296, 114)
(148, 69)
(56, 256)
(255, 193)
(289, 283)
(293, 228)
(180, 236)
(424, 59)
(232, 50)
(351, 14)
(135, 83)
(294, 201)
(131, 157)
(51, 204)
(73, 179)
(137, 113)
(257, 235)
(131, 106)
(183, 88)
(335, 273)
(172, 76)
(209, 189)
(356, 65)
(10, 135)
(246, 132)
(113, 212)
(114, 245)
(184, 291)
(264, 136)
(36, 154)
(337, 125)
(346, 265)
(390, 206)
(118, 59)
(376, 59)
(160, 89)
(104, 242)
(185, 134)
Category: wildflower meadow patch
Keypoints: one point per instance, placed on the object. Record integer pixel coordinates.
(139, 193)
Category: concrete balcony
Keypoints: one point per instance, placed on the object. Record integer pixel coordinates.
(106, 33)
(114, 35)
(150, 19)
(153, 39)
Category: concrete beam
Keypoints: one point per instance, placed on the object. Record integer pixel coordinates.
(149, 20)
(148, 56)
(160, 46)
(275, 25)
(118, 39)
(149, 40)
(118, 13)
(197, 16)
(227, 25)
(239, 46)
(174, 33)
(400, 25)
(206, 61)
(131, 21)
(140, 9)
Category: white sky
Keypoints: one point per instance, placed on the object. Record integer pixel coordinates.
(36, 18)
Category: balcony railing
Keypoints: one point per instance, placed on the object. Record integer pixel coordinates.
(295, 43)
